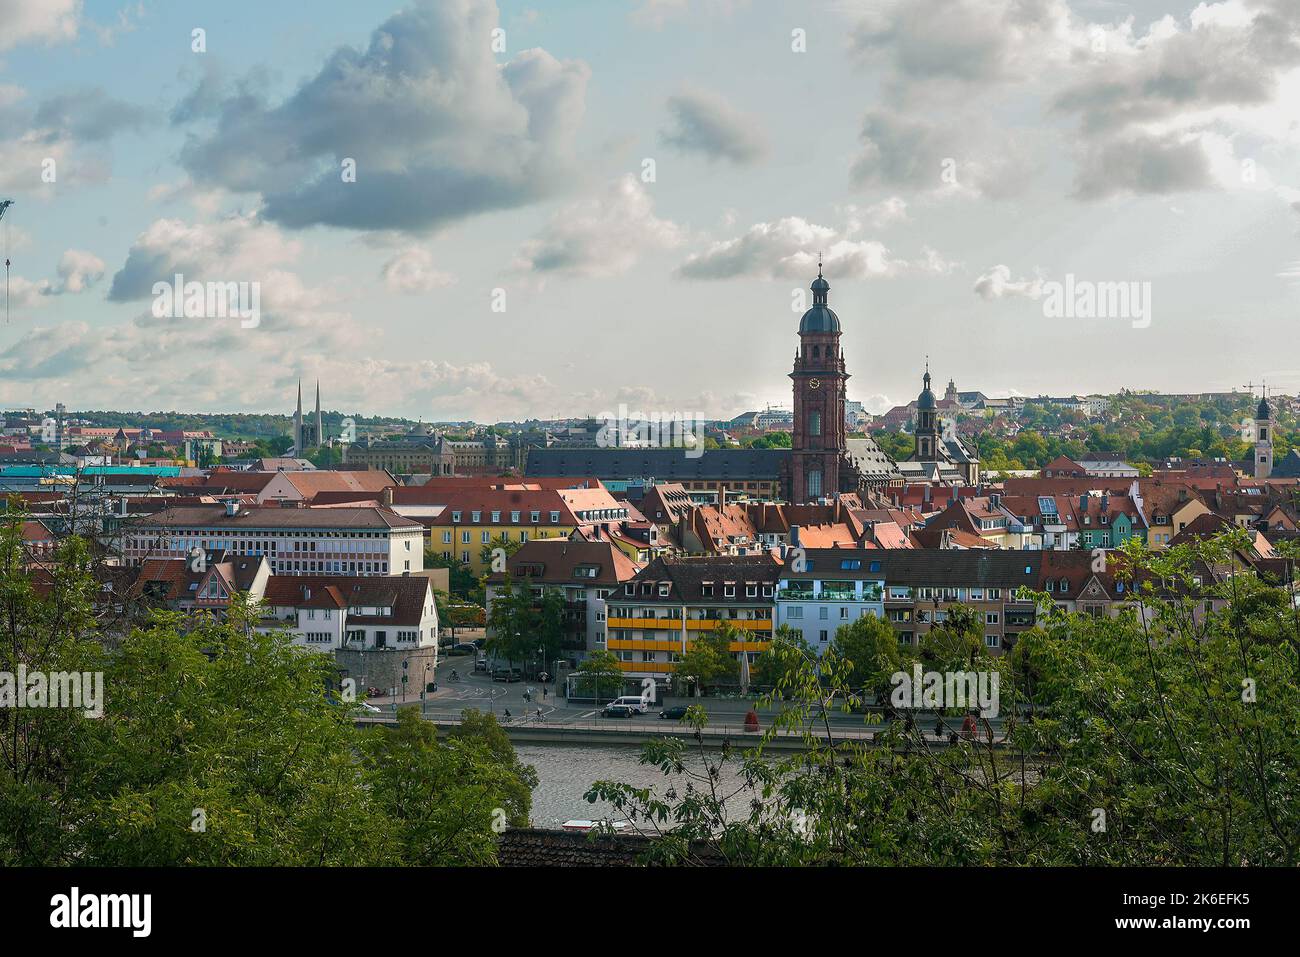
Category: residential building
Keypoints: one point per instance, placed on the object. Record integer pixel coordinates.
(655, 617)
(827, 589)
(476, 519)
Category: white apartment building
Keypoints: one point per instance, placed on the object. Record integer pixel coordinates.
(334, 613)
(369, 540)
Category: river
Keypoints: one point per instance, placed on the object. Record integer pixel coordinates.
(565, 772)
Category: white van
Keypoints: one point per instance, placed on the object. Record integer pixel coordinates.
(636, 702)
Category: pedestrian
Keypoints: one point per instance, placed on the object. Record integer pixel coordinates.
(544, 693)
(539, 714)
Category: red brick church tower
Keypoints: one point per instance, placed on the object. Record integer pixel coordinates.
(818, 446)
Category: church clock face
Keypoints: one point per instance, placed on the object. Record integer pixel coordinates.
(814, 383)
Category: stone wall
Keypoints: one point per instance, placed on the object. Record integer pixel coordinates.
(382, 668)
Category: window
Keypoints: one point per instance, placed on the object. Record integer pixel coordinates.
(823, 612)
(992, 641)
(446, 538)
(496, 518)
(991, 618)
(455, 518)
(534, 517)
(815, 423)
(514, 518)
(796, 611)
(555, 517)
(476, 517)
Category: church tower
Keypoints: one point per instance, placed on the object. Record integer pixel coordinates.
(297, 423)
(819, 439)
(1264, 438)
(927, 423)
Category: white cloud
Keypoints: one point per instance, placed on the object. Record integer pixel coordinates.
(705, 123)
(789, 247)
(412, 271)
(601, 236)
(438, 131)
(998, 284)
(38, 21)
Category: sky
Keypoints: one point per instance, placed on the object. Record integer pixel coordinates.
(460, 209)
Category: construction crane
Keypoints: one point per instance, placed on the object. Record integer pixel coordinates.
(4, 205)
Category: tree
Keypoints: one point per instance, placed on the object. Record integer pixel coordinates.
(521, 623)
(772, 667)
(599, 676)
(215, 744)
(870, 651)
(708, 660)
(446, 800)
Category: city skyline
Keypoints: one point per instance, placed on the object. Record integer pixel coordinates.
(1113, 142)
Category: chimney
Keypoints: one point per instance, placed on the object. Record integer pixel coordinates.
(387, 496)
(927, 494)
(722, 497)
(794, 536)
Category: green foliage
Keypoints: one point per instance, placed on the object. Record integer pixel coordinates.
(708, 660)
(870, 651)
(599, 675)
(219, 745)
(520, 623)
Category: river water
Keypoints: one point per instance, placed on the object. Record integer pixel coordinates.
(565, 772)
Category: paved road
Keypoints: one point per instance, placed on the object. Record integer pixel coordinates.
(524, 700)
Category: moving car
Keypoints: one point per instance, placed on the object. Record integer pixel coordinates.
(673, 714)
(508, 674)
(616, 711)
(633, 701)
(463, 648)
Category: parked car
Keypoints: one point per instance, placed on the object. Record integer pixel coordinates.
(673, 714)
(480, 664)
(508, 674)
(616, 711)
(463, 648)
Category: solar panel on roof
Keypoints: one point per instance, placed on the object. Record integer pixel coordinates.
(1046, 504)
